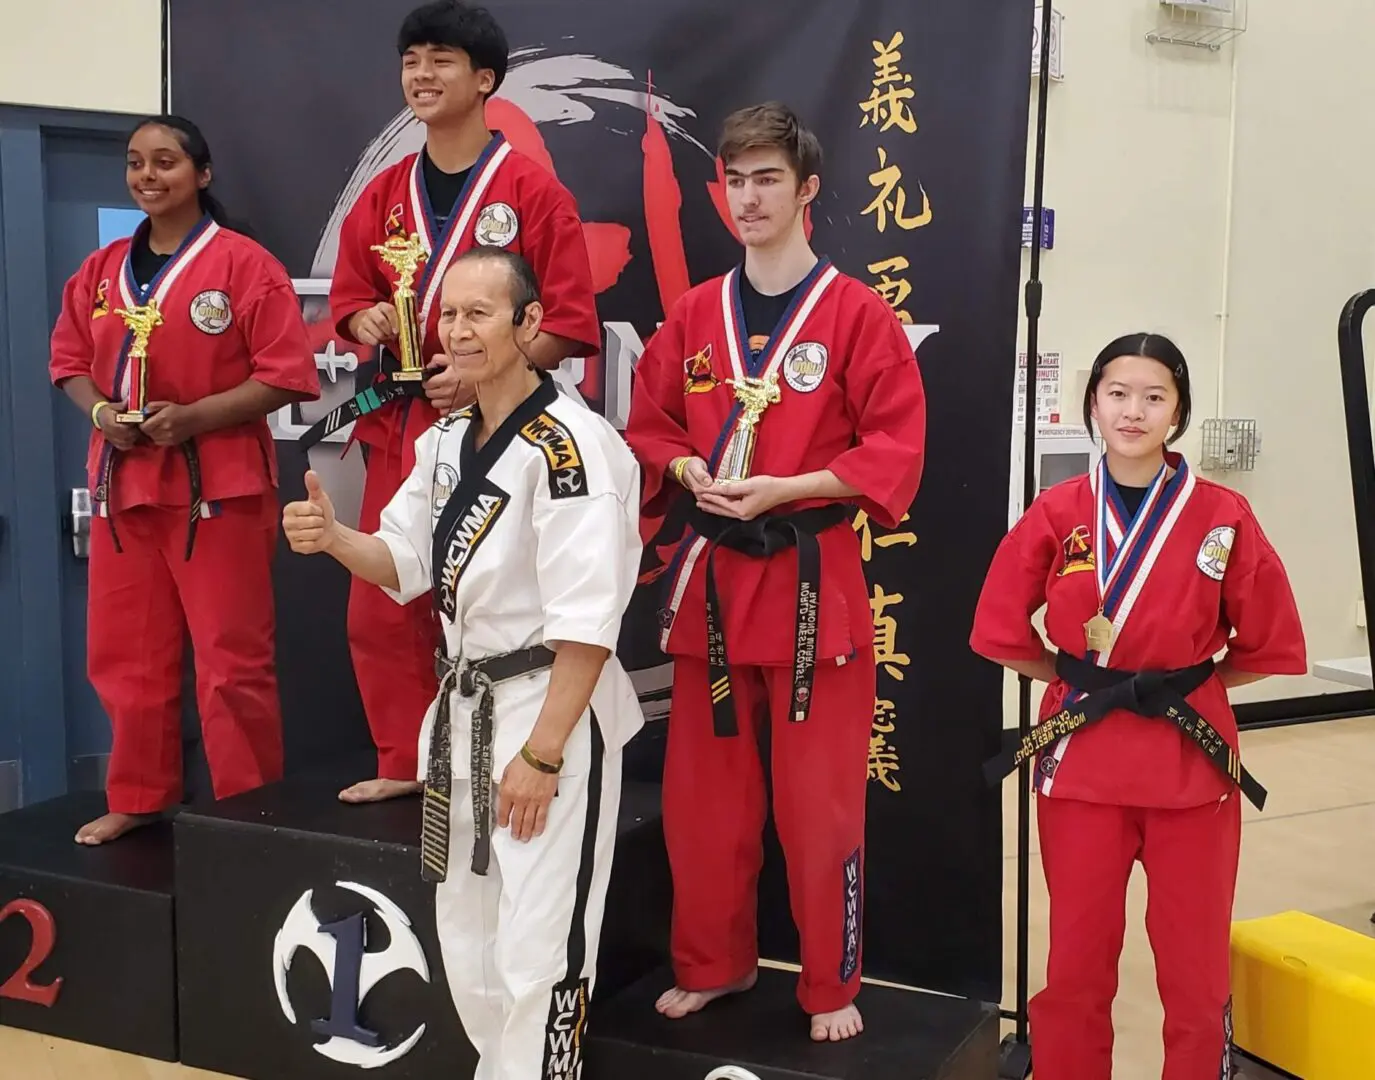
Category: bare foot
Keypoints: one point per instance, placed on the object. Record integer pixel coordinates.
(367, 791)
(677, 1003)
(111, 827)
(835, 1026)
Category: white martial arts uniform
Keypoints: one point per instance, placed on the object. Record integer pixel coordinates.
(547, 549)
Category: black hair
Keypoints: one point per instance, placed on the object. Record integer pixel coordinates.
(521, 275)
(459, 26)
(198, 150)
(1155, 347)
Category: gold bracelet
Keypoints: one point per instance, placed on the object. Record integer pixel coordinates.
(528, 756)
(680, 467)
(95, 412)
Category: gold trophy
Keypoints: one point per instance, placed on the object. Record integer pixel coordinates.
(141, 320)
(755, 395)
(404, 255)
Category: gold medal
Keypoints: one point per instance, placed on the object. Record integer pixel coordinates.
(1098, 632)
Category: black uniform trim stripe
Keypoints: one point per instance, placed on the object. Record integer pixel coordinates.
(577, 932)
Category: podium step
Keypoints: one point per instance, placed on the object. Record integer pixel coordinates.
(86, 934)
(764, 1035)
(290, 902)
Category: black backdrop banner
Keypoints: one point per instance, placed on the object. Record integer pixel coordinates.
(921, 108)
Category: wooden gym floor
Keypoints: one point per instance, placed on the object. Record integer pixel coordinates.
(1312, 850)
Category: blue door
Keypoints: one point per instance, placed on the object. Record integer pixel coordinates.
(62, 195)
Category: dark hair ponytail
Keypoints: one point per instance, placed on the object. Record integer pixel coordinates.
(198, 150)
(1155, 347)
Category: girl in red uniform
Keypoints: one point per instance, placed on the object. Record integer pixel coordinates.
(1147, 573)
(183, 471)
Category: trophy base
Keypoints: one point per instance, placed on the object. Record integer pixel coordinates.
(408, 375)
(130, 417)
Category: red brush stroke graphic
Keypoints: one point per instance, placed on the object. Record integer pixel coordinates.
(663, 199)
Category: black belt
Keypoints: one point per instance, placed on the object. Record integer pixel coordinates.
(382, 392)
(761, 538)
(476, 678)
(1147, 693)
(105, 491)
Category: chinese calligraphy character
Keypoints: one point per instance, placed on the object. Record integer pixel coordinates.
(883, 756)
(893, 290)
(865, 529)
(892, 197)
(887, 101)
(886, 634)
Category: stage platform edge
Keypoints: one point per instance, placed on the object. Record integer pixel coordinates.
(90, 930)
(907, 1034)
(258, 879)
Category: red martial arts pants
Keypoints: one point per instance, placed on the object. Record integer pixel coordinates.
(1190, 858)
(141, 603)
(392, 645)
(715, 807)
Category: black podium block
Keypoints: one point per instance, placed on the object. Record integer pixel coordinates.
(86, 934)
(907, 1035)
(306, 938)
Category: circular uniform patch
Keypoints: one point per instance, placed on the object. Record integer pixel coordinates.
(497, 225)
(1217, 546)
(210, 312)
(445, 480)
(805, 366)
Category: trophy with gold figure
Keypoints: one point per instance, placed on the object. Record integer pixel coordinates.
(755, 395)
(141, 320)
(404, 255)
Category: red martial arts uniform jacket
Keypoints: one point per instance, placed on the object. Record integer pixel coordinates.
(229, 312)
(851, 401)
(508, 201)
(1199, 576)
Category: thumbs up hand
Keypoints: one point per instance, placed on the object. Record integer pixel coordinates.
(309, 525)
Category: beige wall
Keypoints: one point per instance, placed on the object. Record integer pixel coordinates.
(116, 66)
(1138, 172)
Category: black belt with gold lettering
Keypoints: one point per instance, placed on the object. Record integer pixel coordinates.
(1160, 694)
(105, 490)
(761, 538)
(473, 679)
(380, 393)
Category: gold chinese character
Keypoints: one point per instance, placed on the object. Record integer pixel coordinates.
(885, 716)
(883, 762)
(886, 633)
(892, 197)
(894, 291)
(886, 61)
(866, 536)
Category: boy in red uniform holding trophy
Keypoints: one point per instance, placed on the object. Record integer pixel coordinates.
(467, 186)
(772, 397)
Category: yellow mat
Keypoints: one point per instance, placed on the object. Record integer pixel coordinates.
(1303, 996)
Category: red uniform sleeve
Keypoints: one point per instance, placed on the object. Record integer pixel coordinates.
(358, 281)
(557, 252)
(71, 350)
(1014, 589)
(886, 402)
(1258, 603)
(275, 332)
(656, 429)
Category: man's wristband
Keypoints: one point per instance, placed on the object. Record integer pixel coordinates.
(528, 756)
(95, 413)
(680, 467)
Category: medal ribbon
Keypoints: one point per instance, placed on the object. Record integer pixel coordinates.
(1108, 568)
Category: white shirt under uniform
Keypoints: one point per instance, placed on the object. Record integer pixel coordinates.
(540, 545)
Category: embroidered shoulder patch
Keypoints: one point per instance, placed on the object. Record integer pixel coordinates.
(1078, 552)
(567, 474)
(1215, 550)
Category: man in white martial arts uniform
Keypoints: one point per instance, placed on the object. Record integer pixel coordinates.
(521, 516)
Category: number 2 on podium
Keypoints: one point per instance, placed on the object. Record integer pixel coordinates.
(19, 986)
